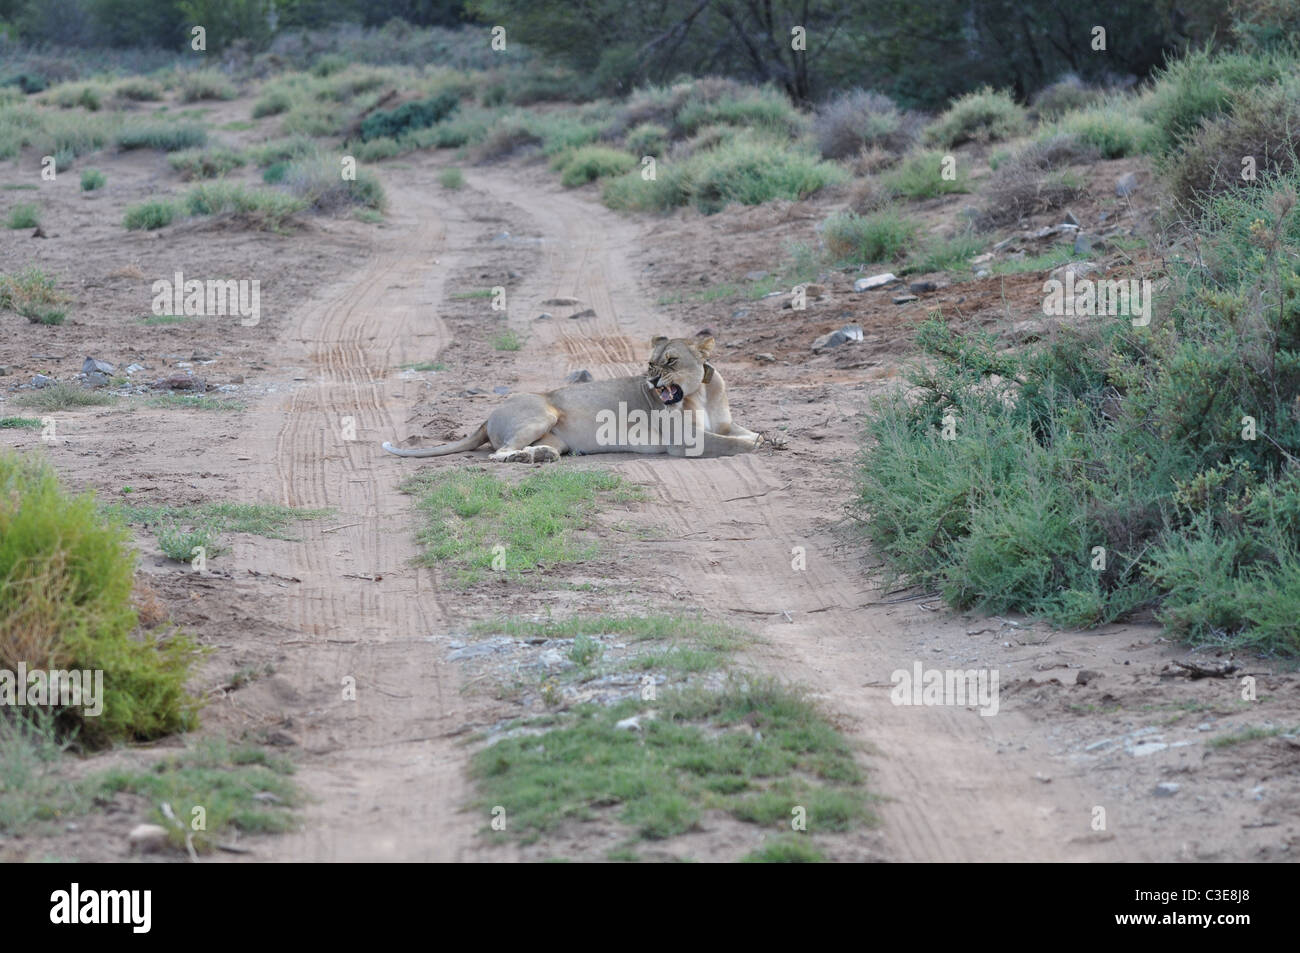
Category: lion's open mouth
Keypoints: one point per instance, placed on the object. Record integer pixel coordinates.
(669, 394)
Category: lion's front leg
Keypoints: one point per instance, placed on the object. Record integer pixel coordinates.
(706, 443)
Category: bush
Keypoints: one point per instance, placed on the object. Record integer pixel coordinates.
(393, 123)
(92, 179)
(169, 137)
(205, 163)
(647, 139)
(282, 150)
(33, 294)
(593, 162)
(205, 84)
(66, 604)
(1030, 182)
(981, 116)
(863, 239)
(261, 208)
(24, 215)
(1112, 130)
(155, 213)
(1067, 94)
(138, 89)
(921, 176)
(1263, 124)
(1127, 438)
(451, 178)
(319, 185)
(764, 108)
(1200, 86)
(861, 120)
(272, 103)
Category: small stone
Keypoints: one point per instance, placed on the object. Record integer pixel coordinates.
(981, 259)
(578, 377)
(4, 371)
(237, 379)
(1146, 748)
(740, 313)
(875, 281)
(1126, 184)
(755, 275)
(513, 274)
(1083, 244)
(1070, 219)
(281, 738)
(181, 382)
(560, 302)
(268, 797)
(982, 273)
(765, 358)
(94, 366)
(1080, 269)
(40, 380)
(544, 316)
(501, 389)
(134, 368)
(904, 299)
(1166, 789)
(629, 724)
(1085, 676)
(588, 313)
(147, 838)
(922, 287)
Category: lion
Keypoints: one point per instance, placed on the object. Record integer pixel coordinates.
(678, 407)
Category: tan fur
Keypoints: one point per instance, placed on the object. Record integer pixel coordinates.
(538, 428)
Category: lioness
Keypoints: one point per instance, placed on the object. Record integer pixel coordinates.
(679, 407)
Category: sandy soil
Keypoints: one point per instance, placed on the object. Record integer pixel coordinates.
(348, 304)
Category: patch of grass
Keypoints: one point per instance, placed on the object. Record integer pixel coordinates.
(36, 792)
(66, 604)
(166, 136)
(62, 396)
(205, 163)
(200, 85)
(407, 117)
(589, 163)
(1112, 128)
(425, 366)
(150, 215)
(786, 849)
(862, 239)
(92, 180)
(193, 402)
(985, 115)
(507, 340)
(529, 526)
(923, 176)
(155, 320)
(1253, 733)
(183, 544)
(238, 789)
(944, 254)
(258, 519)
(701, 752)
(471, 295)
(20, 423)
(451, 178)
(858, 120)
(260, 208)
(317, 182)
(34, 295)
(24, 215)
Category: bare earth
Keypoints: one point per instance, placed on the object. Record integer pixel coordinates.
(348, 304)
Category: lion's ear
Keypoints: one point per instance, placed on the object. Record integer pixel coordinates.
(704, 346)
(708, 372)
(656, 341)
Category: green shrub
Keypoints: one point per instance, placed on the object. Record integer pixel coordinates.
(33, 294)
(66, 604)
(169, 137)
(272, 103)
(261, 208)
(1200, 86)
(318, 184)
(451, 178)
(205, 84)
(392, 123)
(155, 213)
(1112, 129)
(1109, 467)
(205, 163)
(982, 116)
(92, 179)
(24, 215)
(590, 163)
(861, 239)
(377, 150)
(747, 108)
(138, 89)
(1068, 94)
(282, 150)
(647, 139)
(921, 176)
(860, 120)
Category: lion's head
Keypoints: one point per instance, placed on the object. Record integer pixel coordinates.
(678, 367)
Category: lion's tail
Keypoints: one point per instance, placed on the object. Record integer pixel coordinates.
(472, 442)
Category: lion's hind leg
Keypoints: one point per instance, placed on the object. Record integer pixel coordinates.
(529, 420)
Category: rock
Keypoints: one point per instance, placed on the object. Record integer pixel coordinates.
(281, 737)
(814, 291)
(578, 377)
(1085, 676)
(513, 274)
(4, 371)
(544, 316)
(561, 302)
(237, 379)
(473, 392)
(982, 259)
(202, 356)
(740, 313)
(922, 287)
(134, 368)
(1166, 789)
(1070, 219)
(501, 389)
(982, 273)
(704, 333)
(850, 332)
(181, 382)
(629, 724)
(551, 658)
(755, 275)
(588, 313)
(268, 797)
(1080, 269)
(765, 358)
(94, 366)
(1146, 748)
(95, 379)
(1126, 184)
(147, 838)
(904, 299)
(40, 380)
(875, 281)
